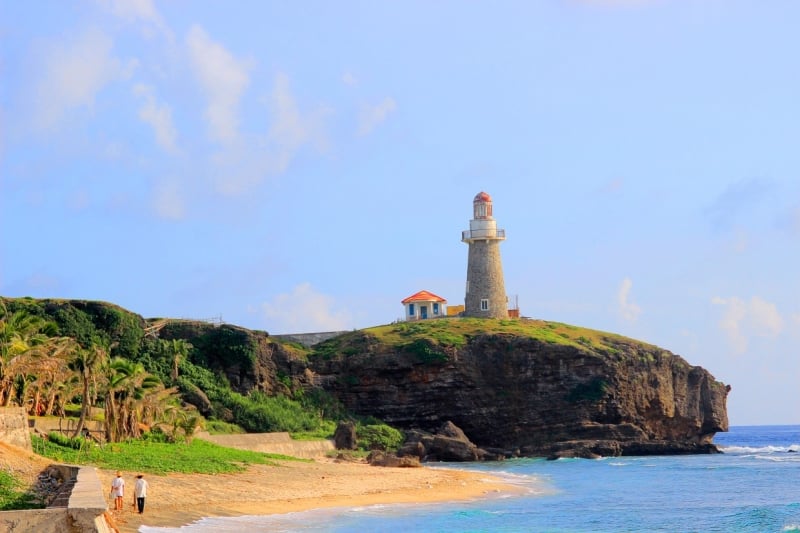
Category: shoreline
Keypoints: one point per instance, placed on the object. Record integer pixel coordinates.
(176, 500)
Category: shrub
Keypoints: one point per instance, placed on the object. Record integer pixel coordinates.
(426, 351)
(591, 391)
(379, 437)
(219, 427)
(76, 443)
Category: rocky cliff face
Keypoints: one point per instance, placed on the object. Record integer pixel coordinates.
(523, 396)
(248, 359)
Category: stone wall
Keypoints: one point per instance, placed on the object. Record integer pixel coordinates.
(14, 427)
(84, 512)
(280, 443)
(39, 520)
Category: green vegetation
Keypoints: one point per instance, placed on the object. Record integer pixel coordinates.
(147, 456)
(76, 443)
(12, 495)
(218, 427)
(456, 332)
(324, 431)
(93, 356)
(64, 352)
(426, 351)
(378, 437)
(592, 391)
(258, 412)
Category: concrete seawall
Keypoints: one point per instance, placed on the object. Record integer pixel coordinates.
(280, 443)
(81, 508)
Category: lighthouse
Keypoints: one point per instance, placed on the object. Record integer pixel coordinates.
(486, 292)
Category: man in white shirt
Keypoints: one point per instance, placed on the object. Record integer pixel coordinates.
(140, 492)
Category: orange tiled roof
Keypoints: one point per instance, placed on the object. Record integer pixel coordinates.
(423, 296)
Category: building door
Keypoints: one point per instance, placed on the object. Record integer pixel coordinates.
(423, 312)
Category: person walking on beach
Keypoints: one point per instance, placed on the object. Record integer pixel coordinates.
(140, 492)
(117, 491)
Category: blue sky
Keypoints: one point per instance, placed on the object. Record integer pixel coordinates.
(304, 166)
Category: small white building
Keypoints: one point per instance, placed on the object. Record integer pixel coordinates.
(424, 304)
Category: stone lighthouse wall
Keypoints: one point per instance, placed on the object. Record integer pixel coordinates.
(485, 280)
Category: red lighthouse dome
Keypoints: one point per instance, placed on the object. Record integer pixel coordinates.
(482, 206)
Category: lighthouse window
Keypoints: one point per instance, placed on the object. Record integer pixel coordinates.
(411, 310)
(484, 304)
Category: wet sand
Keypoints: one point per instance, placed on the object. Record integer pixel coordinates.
(290, 486)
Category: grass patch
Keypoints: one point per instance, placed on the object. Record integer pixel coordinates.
(218, 427)
(431, 340)
(456, 332)
(426, 351)
(13, 496)
(325, 431)
(198, 457)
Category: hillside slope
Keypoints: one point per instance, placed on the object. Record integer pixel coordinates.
(527, 388)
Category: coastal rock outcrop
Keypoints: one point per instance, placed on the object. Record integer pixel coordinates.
(345, 438)
(520, 396)
(449, 443)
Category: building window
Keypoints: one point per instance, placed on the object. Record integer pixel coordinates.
(410, 309)
(435, 308)
(484, 304)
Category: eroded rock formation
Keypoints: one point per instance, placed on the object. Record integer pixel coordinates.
(521, 396)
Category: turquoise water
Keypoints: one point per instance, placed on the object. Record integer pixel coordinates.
(753, 487)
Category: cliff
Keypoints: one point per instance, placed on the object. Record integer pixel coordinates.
(515, 387)
(528, 388)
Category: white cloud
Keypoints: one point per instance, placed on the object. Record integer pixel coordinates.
(731, 322)
(304, 311)
(138, 11)
(223, 78)
(767, 321)
(168, 202)
(348, 78)
(290, 129)
(627, 309)
(371, 116)
(247, 162)
(74, 73)
(743, 320)
(158, 115)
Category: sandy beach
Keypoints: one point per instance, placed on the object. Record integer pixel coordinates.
(290, 486)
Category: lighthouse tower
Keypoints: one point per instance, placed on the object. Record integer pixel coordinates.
(486, 292)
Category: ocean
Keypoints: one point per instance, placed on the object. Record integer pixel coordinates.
(754, 486)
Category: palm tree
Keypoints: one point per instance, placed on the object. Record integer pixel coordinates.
(34, 371)
(85, 362)
(180, 350)
(128, 384)
(21, 334)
